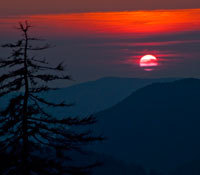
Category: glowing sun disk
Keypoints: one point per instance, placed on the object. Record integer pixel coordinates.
(148, 62)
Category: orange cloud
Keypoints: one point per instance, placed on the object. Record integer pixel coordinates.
(114, 23)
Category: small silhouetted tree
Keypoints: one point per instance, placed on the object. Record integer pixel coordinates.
(33, 141)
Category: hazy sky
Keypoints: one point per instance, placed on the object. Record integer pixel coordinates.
(96, 45)
(9, 7)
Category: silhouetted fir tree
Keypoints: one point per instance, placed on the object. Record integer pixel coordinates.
(32, 141)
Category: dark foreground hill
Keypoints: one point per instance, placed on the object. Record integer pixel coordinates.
(157, 126)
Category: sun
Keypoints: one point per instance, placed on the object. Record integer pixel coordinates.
(148, 62)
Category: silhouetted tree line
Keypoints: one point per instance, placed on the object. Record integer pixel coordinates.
(33, 141)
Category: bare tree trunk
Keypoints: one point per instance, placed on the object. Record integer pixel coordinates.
(25, 106)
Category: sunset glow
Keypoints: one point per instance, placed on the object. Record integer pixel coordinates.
(126, 23)
(118, 39)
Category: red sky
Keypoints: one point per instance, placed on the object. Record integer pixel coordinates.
(135, 23)
(101, 44)
(10, 7)
(111, 43)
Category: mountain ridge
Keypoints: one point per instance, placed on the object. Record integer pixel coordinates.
(95, 96)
